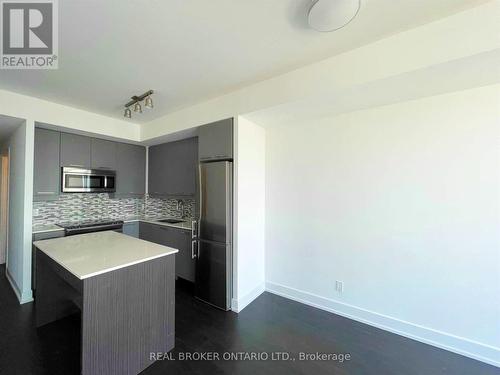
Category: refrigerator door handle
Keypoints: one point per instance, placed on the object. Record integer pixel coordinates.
(194, 227)
(200, 211)
(193, 253)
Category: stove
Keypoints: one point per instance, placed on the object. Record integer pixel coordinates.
(71, 229)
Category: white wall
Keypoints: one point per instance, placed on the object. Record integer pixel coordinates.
(26, 107)
(3, 211)
(402, 204)
(249, 218)
(20, 145)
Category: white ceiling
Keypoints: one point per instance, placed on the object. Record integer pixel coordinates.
(190, 51)
(456, 75)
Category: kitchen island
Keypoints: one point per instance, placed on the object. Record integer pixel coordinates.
(124, 289)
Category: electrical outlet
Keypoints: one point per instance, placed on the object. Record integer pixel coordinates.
(339, 286)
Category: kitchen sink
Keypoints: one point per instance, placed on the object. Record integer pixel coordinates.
(171, 221)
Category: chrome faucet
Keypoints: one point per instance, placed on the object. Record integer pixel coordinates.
(180, 206)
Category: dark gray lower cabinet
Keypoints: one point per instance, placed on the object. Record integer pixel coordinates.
(131, 229)
(150, 232)
(38, 237)
(173, 237)
(185, 266)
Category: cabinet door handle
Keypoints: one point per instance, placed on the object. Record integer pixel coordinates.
(193, 253)
(45, 192)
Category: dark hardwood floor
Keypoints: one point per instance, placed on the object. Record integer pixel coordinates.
(269, 324)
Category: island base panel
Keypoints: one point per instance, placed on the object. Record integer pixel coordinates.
(127, 315)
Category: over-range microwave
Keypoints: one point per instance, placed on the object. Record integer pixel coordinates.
(79, 180)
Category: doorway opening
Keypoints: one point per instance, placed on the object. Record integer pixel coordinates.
(4, 207)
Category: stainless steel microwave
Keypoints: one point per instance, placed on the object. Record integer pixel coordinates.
(78, 180)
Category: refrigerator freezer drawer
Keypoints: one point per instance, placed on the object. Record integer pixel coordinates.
(213, 273)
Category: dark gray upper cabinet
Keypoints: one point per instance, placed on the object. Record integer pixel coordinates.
(216, 140)
(156, 165)
(130, 169)
(75, 151)
(173, 168)
(55, 149)
(103, 154)
(46, 180)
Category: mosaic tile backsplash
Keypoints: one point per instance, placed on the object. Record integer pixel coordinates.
(82, 207)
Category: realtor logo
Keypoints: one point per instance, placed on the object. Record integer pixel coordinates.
(29, 34)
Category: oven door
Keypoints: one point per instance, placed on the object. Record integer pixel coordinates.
(75, 180)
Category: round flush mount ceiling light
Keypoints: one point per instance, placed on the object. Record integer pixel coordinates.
(331, 15)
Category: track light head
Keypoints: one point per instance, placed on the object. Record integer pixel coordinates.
(148, 102)
(137, 107)
(128, 113)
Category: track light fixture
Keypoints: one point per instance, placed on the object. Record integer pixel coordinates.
(136, 103)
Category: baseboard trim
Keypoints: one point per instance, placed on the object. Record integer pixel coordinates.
(22, 297)
(456, 344)
(237, 305)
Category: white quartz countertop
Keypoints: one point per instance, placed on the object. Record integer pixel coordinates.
(42, 228)
(154, 220)
(186, 224)
(92, 254)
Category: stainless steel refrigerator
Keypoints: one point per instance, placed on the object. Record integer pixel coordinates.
(212, 246)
